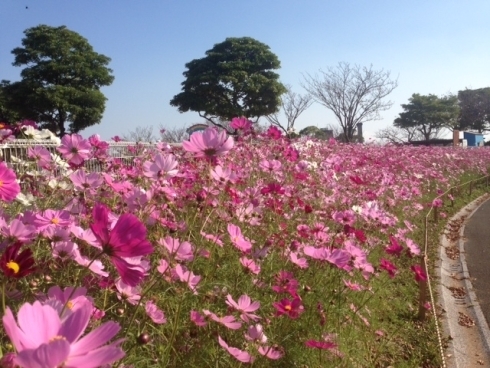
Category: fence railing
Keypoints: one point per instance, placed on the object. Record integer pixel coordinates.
(14, 153)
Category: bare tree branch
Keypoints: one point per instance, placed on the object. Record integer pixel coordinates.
(292, 105)
(398, 135)
(354, 94)
(140, 134)
(173, 135)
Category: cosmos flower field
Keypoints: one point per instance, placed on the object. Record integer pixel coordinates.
(228, 251)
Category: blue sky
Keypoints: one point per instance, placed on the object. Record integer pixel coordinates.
(436, 46)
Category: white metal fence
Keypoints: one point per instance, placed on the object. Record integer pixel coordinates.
(14, 153)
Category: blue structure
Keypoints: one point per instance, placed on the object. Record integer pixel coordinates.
(473, 139)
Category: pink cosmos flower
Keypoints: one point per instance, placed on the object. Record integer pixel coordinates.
(83, 181)
(163, 167)
(185, 275)
(101, 147)
(41, 155)
(395, 248)
(437, 203)
(127, 239)
(42, 339)
(256, 333)
(16, 231)
(163, 266)
(273, 133)
(325, 345)
(156, 315)
(181, 251)
(52, 218)
(338, 257)
(270, 352)
(419, 272)
(67, 301)
(412, 247)
(209, 143)
(227, 321)
(238, 239)
(95, 266)
(286, 283)
(223, 175)
(240, 355)
(131, 294)
(245, 306)
(250, 265)
(9, 188)
(352, 285)
(198, 319)
(242, 124)
(300, 262)
(270, 165)
(65, 250)
(345, 217)
(217, 239)
(74, 148)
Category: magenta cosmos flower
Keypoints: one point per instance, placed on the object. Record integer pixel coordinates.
(126, 240)
(209, 143)
(42, 339)
(241, 124)
(292, 308)
(9, 188)
(74, 148)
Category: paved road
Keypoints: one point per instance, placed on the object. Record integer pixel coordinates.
(477, 248)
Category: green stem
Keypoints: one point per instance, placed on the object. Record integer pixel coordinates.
(3, 297)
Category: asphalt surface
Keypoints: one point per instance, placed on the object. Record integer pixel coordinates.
(477, 248)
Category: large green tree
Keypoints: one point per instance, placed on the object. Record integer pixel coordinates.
(61, 80)
(475, 109)
(235, 78)
(429, 114)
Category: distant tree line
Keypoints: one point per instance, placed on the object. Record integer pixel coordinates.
(425, 117)
(62, 76)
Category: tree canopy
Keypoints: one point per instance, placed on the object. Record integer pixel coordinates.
(475, 109)
(429, 114)
(235, 78)
(61, 80)
(354, 94)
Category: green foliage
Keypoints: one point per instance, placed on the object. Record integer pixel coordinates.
(236, 78)
(61, 80)
(315, 132)
(428, 114)
(475, 109)
(7, 114)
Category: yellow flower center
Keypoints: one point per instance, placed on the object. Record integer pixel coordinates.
(55, 221)
(56, 338)
(1, 183)
(14, 266)
(69, 304)
(288, 307)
